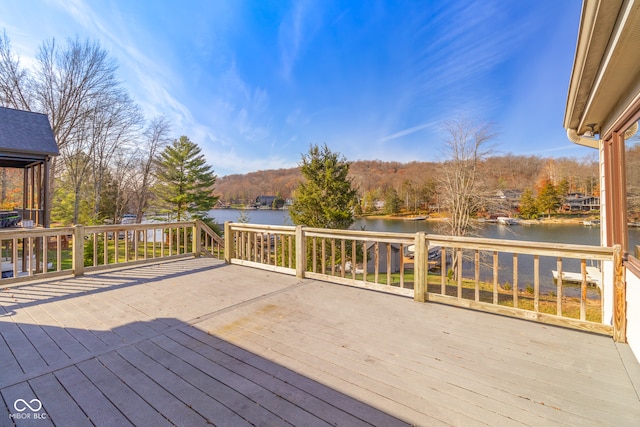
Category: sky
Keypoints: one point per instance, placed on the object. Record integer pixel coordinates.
(254, 83)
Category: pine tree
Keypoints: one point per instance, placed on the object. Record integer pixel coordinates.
(325, 199)
(528, 205)
(548, 199)
(185, 181)
(392, 202)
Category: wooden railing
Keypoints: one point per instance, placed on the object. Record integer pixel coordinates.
(39, 252)
(514, 278)
(209, 242)
(508, 277)
(268, 247)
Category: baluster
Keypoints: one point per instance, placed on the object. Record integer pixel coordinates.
(583, 290)
(536, 283)
(376, 262)
(495, 277)
(559, 288)
(515, 281)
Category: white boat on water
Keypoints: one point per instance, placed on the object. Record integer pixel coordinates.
(507, 221)
(416, 218)
(594, 276)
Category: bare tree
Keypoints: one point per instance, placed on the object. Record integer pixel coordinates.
(156, 138)
(123, 183)
(15, 83)
(115, 124)
(76, 159)
(461, 189)
(68, 86)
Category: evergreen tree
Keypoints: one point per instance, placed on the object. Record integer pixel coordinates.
(548, 198)
(562, 189)
(369, 202)
(185, 181)
(392, 202)
(325, 199)
(528, 205)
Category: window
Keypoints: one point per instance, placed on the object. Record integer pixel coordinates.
(632, 160)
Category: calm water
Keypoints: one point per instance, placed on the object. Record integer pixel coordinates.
(557, 233)
(553, 233)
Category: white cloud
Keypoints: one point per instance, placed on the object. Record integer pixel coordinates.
(409, 131)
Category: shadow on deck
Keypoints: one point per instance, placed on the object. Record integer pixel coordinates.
(195, 341)
(180, 376)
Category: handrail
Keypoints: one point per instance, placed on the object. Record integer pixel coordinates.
(240, 226)
(212, 244)
(48, 252)
(523, 246)
(404, 263)
(401, 263)
(204, 227)
(133, 227)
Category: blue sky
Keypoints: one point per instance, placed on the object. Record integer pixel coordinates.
(254, 83)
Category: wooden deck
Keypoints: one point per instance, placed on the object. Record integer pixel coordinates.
(194, 341)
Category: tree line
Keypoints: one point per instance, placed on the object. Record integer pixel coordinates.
(414, 186)
(113, 160)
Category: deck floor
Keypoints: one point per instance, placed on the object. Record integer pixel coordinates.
(196, 342)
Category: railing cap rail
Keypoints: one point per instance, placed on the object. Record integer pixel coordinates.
(145, 226)
(523, 246)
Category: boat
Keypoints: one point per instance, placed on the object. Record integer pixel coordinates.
(591, 223)
(504, 220)
(594, 276)
(129, 219)
(434, 256)
(416, 218)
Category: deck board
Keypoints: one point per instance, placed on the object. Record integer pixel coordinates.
(175, 410)
(133, 407)
(207, 407)
(60, 406)
(89, 398)
(343, 402)
(233, 373)
(194, 341)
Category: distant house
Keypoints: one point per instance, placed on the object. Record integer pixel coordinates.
(265, 200)
(509, 199)
(576, 202)
(268, 202)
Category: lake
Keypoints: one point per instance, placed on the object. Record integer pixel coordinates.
(556, 233)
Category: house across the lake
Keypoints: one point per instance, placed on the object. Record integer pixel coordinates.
(269, 202)
(577, 202)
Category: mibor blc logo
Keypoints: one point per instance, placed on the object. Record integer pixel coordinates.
(28, 410)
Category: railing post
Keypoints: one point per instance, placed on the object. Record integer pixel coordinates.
(420, 268)
(228, 242)
(78, 250)
(301, 252)
(195, 241)
(619, 297)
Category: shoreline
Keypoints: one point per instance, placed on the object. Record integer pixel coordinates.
(570, 220)
(439, 217)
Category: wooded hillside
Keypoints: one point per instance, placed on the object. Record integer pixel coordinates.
(373, 178)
